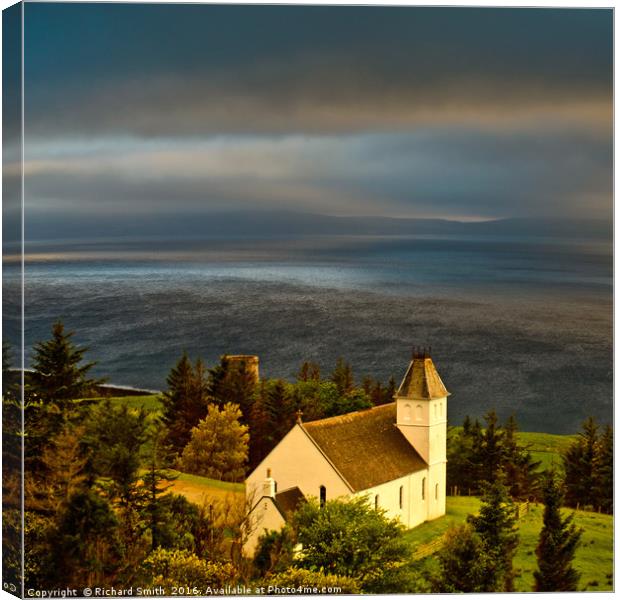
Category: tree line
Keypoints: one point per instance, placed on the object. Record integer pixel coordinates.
(100, 511)
(477, 452)
(98, 505)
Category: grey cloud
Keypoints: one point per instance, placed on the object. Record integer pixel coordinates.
(432, 174)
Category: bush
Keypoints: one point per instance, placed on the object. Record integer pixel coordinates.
(319, 581)
(173, 568)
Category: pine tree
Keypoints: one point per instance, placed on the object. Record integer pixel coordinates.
(491, 448)
(604, 487)
(309, 371)
(520, 469)
(496, 525)
(464, 565)
(556, 545)
(218, 447)
(390, 390)
(580, 467)
(342, 376)
(58, 376)
(233, 383)
(185, 402)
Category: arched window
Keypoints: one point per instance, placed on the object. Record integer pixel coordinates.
(423, 487)
(436, 491)
(418, 412)
(436, 410)
(401, 492)
(407, 412)
(322, 495)
(441, 409)
(376, 501)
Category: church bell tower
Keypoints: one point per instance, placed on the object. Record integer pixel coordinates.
(422, 417)
(422, 408)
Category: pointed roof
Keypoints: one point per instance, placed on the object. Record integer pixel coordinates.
(422, 382)
(365, 447)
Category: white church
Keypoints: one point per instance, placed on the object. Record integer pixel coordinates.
(393, 454)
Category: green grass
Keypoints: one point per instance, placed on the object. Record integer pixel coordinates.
(546, 447)
(593, 559)
(151, 403)
(208, 483)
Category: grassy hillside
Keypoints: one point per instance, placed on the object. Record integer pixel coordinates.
(546, 447)
(202, 489)
(594, 557)
(151, 403)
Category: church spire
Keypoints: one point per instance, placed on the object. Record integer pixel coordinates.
(421, 382)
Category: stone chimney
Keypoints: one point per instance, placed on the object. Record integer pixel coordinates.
(269, 486)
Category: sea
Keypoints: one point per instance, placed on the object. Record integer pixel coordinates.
(516, 324)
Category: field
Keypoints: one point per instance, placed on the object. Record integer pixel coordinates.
(546, 447)
(594, 557)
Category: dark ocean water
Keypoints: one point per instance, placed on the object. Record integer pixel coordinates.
(521, 325)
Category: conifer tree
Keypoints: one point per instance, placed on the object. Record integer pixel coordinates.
(218, 447)
(342, 376)
(58, 376)
(604, 488)
(556, 545)
(309, 371)
(520, 469)
(464, 565)
(232, 383)
(580, 467)
(185, 402)
(496, 525)
(491, 448)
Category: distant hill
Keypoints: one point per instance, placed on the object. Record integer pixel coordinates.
(274, 223)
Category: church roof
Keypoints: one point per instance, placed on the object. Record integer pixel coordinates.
(365, 446)
(288, 501)
(422, 382)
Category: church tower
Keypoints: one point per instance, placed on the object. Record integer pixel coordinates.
(422, 417)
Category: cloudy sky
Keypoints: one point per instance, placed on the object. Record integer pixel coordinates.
(161, 110)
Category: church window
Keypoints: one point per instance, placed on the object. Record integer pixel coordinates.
(376, 501)
(407, 412)
(423, 487)
(435, 411)
(322, 495)
(436, 491)
(418, 412)
(400, 496)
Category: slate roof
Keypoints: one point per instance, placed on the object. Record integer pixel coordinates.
(422, 381)
(365, 446)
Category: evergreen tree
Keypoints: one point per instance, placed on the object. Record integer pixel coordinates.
(218, 447)
(273, 414)
(58, 376)
(342, 376)
(496, 526)
(464, 565)
(114, 438)
(185, 402)
(580, 467)
(233, 383)
(491, 448)
(309, 371)
(390, 390)
(604, 490)
(556, 545)
(520, 469)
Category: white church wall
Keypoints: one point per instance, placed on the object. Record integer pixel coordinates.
(414, 510)
(264, 517)
(296, 461)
